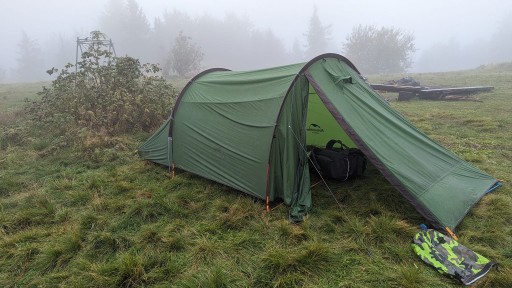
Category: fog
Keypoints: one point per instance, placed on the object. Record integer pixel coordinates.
(242, 35)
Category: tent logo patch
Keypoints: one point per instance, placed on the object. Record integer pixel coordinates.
(315, 128)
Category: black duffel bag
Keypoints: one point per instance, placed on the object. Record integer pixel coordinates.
(338, 163)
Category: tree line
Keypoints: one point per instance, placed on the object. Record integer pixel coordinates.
(182, 44)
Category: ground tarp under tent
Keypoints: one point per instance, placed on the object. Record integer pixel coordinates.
(249, 130)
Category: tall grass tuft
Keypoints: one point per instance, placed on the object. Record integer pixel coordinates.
(106, 245)
(385, 229)
(291, 234)
(236, 215)
(35, 209)
(207, 249)
(411, 276)
(166, 268)
(278, 264)
(8, 186)
(145, 211)
(216, 276)
(131, 271)
(499, 279)
(59, 253)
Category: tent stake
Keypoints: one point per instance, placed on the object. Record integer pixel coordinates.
(450, 232)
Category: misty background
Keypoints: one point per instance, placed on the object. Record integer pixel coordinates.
(242, 35)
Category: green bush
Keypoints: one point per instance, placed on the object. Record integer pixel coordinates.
(112, 95)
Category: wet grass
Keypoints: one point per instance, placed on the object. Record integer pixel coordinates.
(95, 215)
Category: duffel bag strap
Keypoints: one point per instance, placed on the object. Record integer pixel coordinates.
(330, 144)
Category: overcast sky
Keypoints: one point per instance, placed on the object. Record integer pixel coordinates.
(430, 21)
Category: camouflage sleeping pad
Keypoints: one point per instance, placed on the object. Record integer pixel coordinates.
(449, 257)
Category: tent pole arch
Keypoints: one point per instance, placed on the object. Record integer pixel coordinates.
(302, 73)
(184, 90)
(298, 207)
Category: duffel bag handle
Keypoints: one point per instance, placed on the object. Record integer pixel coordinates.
(331, 143)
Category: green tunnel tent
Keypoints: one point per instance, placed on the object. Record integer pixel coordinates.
(248, 130)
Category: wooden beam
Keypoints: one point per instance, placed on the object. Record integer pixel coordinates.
(459, 90)
(420, 90)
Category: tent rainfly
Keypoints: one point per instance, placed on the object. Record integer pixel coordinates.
(249, 130)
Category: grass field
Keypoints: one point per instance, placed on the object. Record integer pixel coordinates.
(92, 214)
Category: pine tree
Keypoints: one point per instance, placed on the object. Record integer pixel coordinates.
(30, 62)
(125, 22)
(317, 37)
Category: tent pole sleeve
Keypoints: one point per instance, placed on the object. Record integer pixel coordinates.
(171, 163)
(267, 200)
